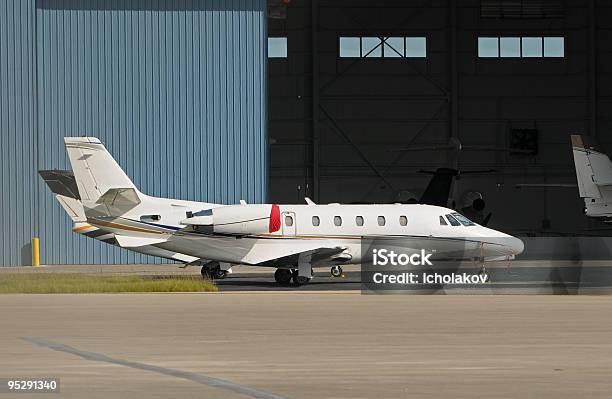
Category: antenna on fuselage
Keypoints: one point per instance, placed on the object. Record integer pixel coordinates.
(309, 201)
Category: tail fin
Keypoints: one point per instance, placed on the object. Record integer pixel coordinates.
(594, 175)
(438, 189)
(593, 167)
(99, 177)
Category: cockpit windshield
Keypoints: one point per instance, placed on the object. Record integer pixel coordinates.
(452, 220)
(463, 220)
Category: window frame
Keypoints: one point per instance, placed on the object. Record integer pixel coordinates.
(336, 218)
(383, 47)
(318, 219)
(285, 40)
(451, 218)
(384, 220)
(483, 39)
(357, 219)
(543, 39)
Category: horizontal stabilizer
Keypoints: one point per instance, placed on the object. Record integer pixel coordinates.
(73, 208)
(130, 241)
(61, 182)
(118, 197)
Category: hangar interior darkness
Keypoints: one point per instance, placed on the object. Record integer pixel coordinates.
(371, 92)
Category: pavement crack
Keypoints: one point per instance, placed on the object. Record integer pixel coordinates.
(186, 375)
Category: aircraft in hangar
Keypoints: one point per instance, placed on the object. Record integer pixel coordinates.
(594, 175)
(104, 204)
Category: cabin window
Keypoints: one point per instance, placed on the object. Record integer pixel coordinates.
(288, 221)
(359, 220)
(452, 220)
(316, 221)
(337, 221)
(403, 220)
(443, 221)
(381, 221)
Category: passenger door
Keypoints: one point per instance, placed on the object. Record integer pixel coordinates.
(289, 222)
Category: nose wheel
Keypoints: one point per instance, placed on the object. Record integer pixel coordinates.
(336, 271)
(484, 274)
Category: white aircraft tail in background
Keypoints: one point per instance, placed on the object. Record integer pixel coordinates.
(594, 175)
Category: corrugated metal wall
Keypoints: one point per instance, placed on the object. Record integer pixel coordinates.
(17, 130)
(175, 89)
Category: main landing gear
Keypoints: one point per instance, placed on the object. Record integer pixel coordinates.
(285, 276)
(336, 271)
(213, 270)
(300, 276)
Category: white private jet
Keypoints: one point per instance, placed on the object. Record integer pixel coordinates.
(104, 204)
(594, 175)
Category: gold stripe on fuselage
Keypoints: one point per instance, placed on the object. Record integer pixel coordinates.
(118, 226)
(77, 229)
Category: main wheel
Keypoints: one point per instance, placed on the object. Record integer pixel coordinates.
(219, 273)
(205, 272)
(283, 276)
(300, 280)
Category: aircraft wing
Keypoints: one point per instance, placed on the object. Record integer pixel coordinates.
(135, 241)
(263, 253)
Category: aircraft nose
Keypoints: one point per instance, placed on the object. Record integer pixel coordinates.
(515, 245)
(503, 245)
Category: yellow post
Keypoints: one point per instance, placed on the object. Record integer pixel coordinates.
(35, 252)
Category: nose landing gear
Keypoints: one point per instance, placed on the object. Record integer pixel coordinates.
(483, 274)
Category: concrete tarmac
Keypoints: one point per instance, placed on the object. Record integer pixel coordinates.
(309, 345)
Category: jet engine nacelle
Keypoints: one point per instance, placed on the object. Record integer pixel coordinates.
(472, 201)
(237, 219)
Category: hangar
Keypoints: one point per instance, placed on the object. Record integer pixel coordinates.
(339, 101)
(176, 89)
(369, 93)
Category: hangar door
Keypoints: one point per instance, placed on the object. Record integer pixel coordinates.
(174, 88)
